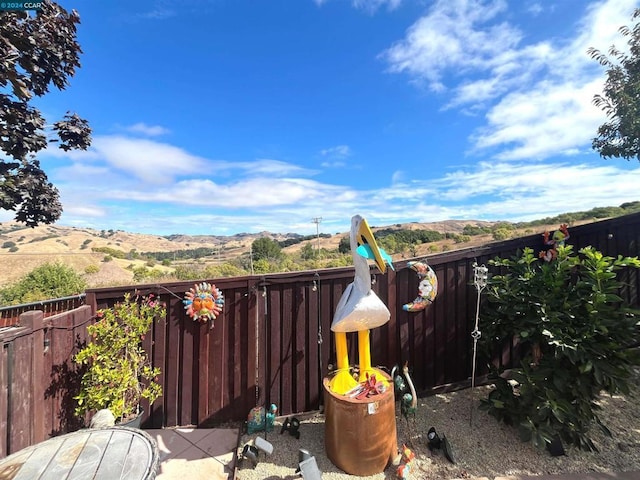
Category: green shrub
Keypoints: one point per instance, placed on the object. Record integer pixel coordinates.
(502, 233)
(226, 269)
(117, 371)
(574, 332)
(89, 269)
(51, 280)
(113, 252)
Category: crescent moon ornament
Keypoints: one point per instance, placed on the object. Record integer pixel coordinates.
(427, 290)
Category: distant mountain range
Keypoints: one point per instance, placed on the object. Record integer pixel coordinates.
(22, 248)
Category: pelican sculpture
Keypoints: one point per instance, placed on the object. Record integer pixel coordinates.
(359, 308)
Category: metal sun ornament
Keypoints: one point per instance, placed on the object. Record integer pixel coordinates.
(203, 302)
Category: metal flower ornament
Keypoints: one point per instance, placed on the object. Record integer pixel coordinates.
(203, 302)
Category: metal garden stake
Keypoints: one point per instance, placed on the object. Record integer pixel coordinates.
(480, 275)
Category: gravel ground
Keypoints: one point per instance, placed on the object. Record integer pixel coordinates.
(482, 447)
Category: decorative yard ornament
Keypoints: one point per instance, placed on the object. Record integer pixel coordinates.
(359, 308)
(360, 434)
(403, 472)
(480, 277)
(553, 242)
(258, 420)
(427, 290)
(203, 302)
(291, 425)
(405, 391)
(409, 403)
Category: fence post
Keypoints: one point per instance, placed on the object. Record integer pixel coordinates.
(34, 320)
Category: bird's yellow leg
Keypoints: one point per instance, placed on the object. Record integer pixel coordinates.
(364, 351)
(342, 381)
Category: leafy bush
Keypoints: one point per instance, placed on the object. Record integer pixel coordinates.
(264, 248)
(502, 233)
(113, 252)
(224, 270)
(574, 332)
(51, 280)
(118, 373)
(89, 269)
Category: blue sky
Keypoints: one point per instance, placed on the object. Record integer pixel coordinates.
(228, 116)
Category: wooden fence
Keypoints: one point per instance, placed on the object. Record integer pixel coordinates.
(37, 377)
(273, 343)
(9, 316)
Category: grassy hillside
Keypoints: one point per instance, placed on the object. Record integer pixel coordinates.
(112, 257)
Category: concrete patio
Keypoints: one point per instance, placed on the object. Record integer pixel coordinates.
(195, 453)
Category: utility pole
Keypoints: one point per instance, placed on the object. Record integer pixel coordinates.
(317, 221)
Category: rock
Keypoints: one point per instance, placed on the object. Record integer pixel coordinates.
(103, 419)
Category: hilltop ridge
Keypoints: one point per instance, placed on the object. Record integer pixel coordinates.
(110, 257)
(23, 248)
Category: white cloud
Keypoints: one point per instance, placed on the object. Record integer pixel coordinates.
(147, 160)
(246, 193)
(535, 9)
(456, 35)
(158, 13)
(273, 195)
(271, 167)
(554, 119)
(538, 96)
(370, 6)
(339, 151)
(374, 5)
(335, 164)
(84, 210)
(149, 130)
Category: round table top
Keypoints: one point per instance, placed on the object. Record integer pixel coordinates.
(108, 453)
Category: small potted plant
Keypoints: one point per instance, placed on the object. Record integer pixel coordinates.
(117, 371)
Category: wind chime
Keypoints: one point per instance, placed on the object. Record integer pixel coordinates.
(480, 276)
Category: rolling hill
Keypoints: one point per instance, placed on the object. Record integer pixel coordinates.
(111, 255)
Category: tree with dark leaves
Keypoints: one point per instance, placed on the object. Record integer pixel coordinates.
(620, 136)
(37, 50)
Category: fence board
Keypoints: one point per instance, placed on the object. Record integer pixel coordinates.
(157, 351)
(302, 336)
(233, 326)
(5, 345)
(21, 399)
(188, 376)
(313, 348)
(249, 351)
(172, 364)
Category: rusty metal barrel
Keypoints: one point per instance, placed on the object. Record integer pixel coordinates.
(360, 435)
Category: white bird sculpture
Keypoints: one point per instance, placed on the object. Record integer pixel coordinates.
(359, 308)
